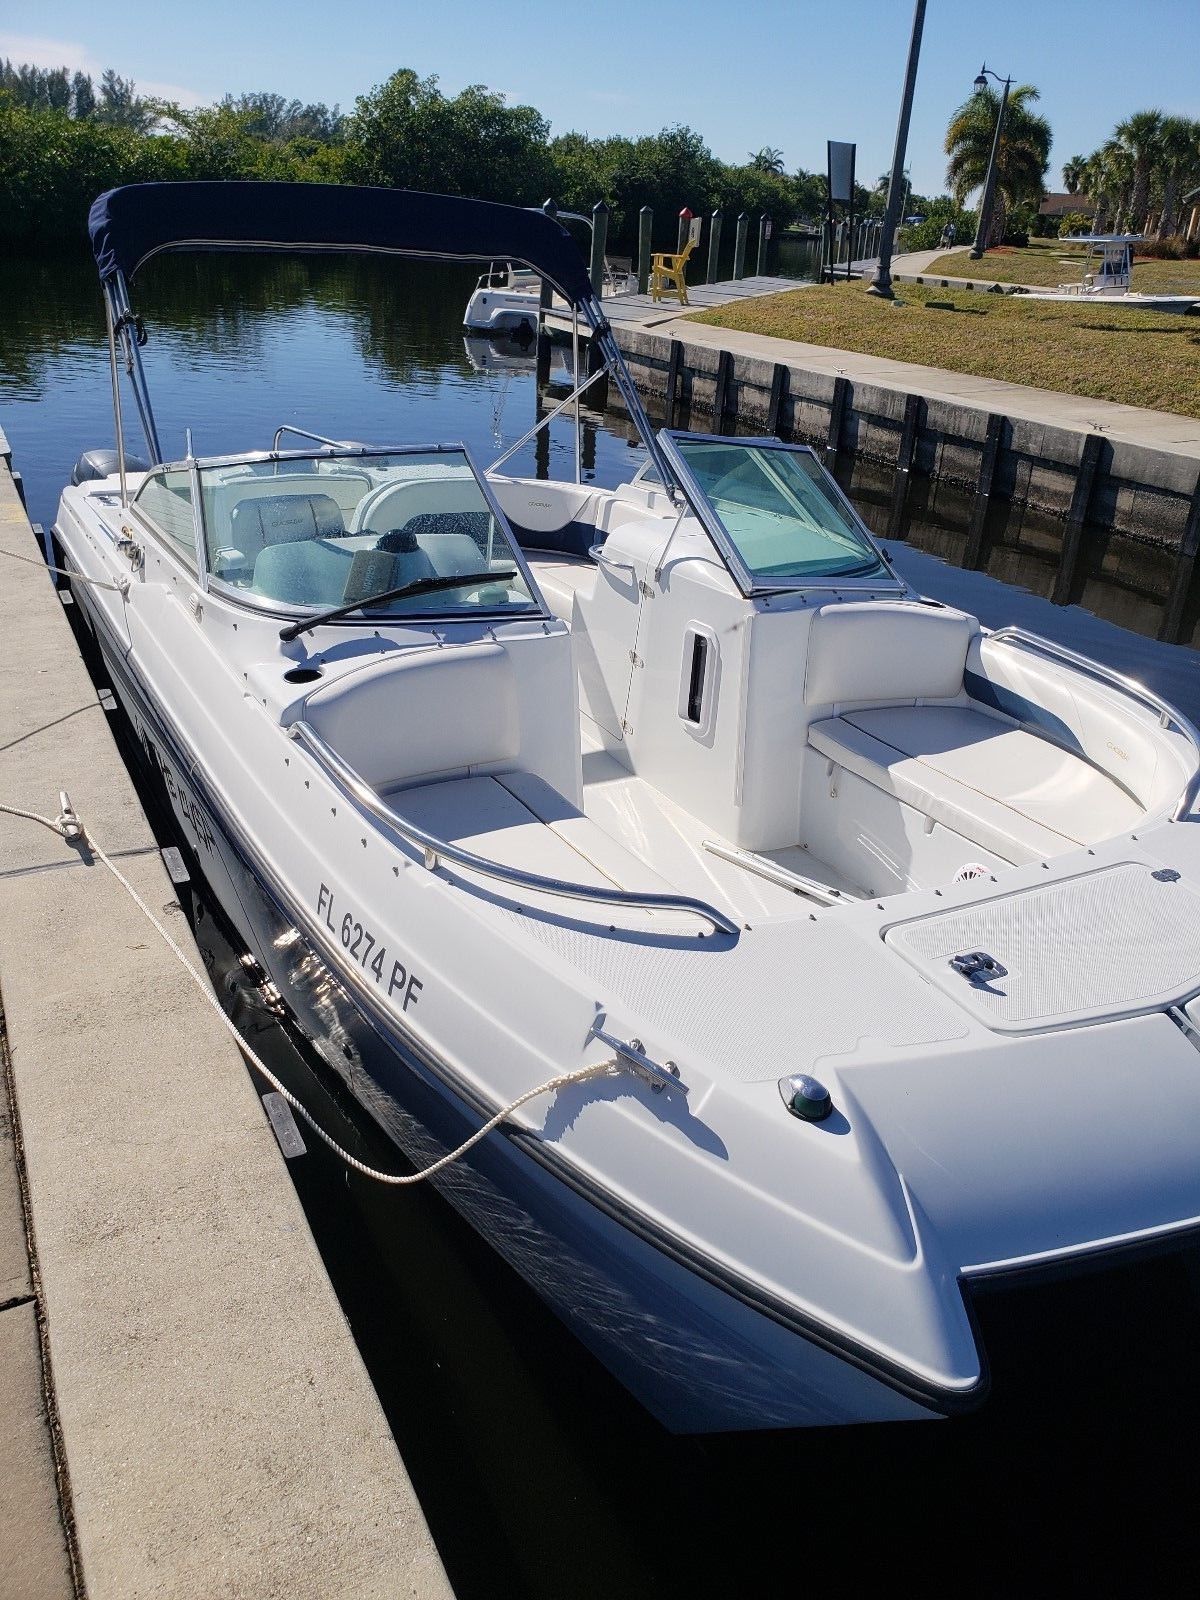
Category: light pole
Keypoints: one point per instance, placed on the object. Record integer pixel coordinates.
(881, 283)
(989, 183)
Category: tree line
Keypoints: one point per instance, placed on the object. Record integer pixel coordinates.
(1137, 179)
(64, 139)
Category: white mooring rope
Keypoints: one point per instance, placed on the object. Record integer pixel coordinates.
(121, 588)
(68, 826)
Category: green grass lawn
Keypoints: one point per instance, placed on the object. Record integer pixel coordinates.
(1141, 358)
(1048, 262)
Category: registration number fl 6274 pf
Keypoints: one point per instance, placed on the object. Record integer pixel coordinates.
(362, 946)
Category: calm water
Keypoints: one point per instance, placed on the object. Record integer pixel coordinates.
(540, 1477)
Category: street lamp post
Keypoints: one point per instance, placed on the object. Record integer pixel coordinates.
(984, 227)
(881, 283)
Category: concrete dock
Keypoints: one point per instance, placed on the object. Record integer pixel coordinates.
(183, 1410)
(640, 311)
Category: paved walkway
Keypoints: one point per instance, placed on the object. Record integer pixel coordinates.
(1159, 430)
(639, 310)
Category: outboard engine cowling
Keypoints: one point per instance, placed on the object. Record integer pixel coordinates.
(94, 464)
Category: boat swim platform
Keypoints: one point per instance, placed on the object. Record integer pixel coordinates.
(183, 1409)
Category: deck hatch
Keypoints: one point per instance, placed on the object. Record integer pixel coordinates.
(1122, 939)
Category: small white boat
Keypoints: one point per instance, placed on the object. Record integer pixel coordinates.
(1107, 273)
(890, 925)
(505, 299)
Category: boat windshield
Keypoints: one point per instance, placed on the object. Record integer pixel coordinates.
(327, 530)
(778, 509)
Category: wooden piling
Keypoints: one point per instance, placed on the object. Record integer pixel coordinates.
(1181, 580)
(904, 458)
(837, 411)
(739, 245)
(779, 393)
(645, 232)
(973, 552)
(723, 392)
(671, 394)
(1081, 499)
(714, 246)
(764, 234)
(599, 244)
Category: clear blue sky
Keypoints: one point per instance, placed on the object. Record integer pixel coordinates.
(744, 75)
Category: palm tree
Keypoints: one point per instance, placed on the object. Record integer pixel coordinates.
(1108, 184)
(1072, 172)
(1021, 162)
(1179, 163)
(768, 159)
(1140, 135)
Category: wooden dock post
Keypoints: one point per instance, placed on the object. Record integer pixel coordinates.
(779, 393)
(645, 230)
(739, 245)
(764, 235)
(545, 300)
(973, 551)
(1181, 581)
(722, 393)
(714, 246)
(904, 458)
(671, 393)
(599, 242)
(837, 410)
(1085, 478)
(685, 222)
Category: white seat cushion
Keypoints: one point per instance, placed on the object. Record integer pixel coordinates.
(520, 821)
(561, 580)
(414, 713)
(874, 651)
(1010, 792)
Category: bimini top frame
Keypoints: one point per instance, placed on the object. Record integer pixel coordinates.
(131, 225)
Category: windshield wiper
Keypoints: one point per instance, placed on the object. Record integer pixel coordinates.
(455, 580)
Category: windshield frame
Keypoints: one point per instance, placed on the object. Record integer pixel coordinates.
(750, 583)
(210, 583)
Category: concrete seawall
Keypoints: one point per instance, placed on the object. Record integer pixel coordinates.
(183, 1410)
(1111, 474)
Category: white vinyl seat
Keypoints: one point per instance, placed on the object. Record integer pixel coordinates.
(561, 578)
(1009, 791)
(520, 821)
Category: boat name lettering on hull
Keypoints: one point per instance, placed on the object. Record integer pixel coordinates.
(184, 801)
(361, 945)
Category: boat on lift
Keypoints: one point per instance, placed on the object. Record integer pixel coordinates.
(1107, 276)
(889, 924)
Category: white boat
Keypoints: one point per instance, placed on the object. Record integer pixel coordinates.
(505, 299)
(891, 925)
(1106, 276)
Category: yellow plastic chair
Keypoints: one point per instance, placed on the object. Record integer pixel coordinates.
(667, 272)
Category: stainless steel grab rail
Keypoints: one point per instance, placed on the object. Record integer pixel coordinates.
(435, 850)
(1163, 709)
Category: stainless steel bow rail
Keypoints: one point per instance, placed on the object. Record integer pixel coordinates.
(1022, 639)
(434, 850)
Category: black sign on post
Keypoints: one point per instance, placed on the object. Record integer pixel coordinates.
(840, 172)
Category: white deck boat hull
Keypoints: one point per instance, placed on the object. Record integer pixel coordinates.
(699, 1353)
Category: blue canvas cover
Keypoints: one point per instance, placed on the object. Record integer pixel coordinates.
(133, 223)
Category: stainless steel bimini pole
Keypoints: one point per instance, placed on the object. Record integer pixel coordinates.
(602, 334)
(133, 360)
(116, 390)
